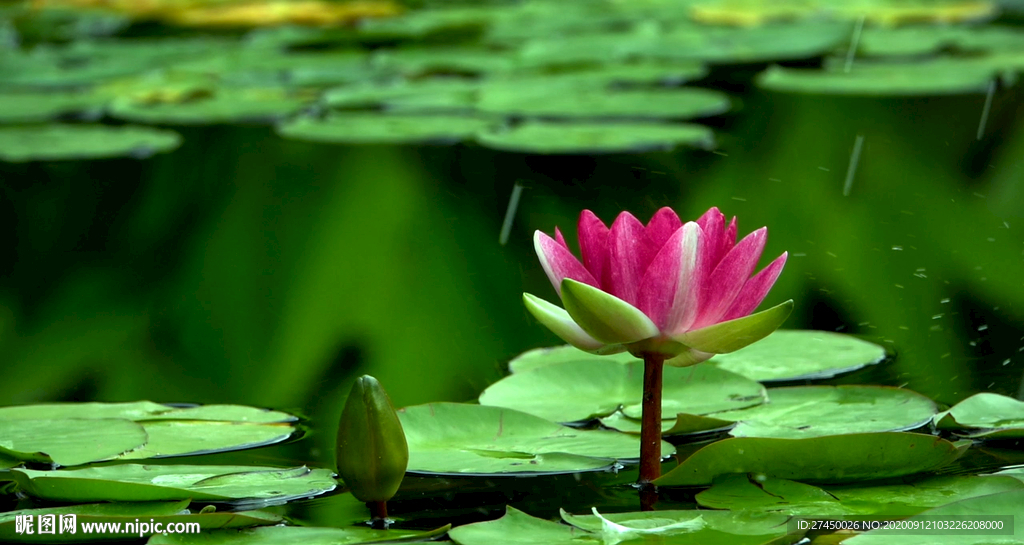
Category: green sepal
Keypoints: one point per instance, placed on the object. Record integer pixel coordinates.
(604, 316)
(372, 451)
(728, 336)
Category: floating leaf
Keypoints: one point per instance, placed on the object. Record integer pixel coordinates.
(224, 105)
(590, 388)
(144, 411)
(120, 513)
(800, 355)
(62, 142)
(539, 357)
(69, 442)
(595, 137)
(135, 482)
(769, 494)
(25, 107)
(536, 99)
(299, 535)
(717, 528)
(457, 438)
(834, 458)
(436, 94)
(1007, 505)
(682, 424)
(191, 437)
(352, 128)
(921, 39)
(985, 415)
(918, 78)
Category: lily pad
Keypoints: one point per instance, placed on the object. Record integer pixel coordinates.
(145, 411)
(873, 78)
(192, 437)
(25, 107)
(677, 527)
(354, 128)
(120, 513)
(223, 105)
(769, 494)
(1007, 506)
(800, 355)
(69, 442)
(435, 94)
(595, 137)
(985, 416)
(298, 535)
(682, 424)
(539, 357)
(63, 142)
(829, 459)
(583, 389)
(453, 438)
(523, 99)
(135, 482)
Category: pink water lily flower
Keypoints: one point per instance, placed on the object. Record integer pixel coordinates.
(681, 291)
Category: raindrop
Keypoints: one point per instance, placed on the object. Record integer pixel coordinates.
(510, 212)
(937, 316)
(854, 159)
(985, 109)
(982, 327)
(825, 169)
(850, 53)
(944, 301)
(898, 248)
(778, 180)
(1006, 361)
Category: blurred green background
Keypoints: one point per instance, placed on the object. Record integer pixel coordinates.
(247, 268)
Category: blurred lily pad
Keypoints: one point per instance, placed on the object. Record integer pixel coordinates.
(135, 482)
(595, 137)
(985, 416)
(1004, 504)
(453, 438)
(119, 513)
(582, 389)
(435, 94)
(299, 535)
(876, 78)
(800, 355)
(769, 494)
(222, 105)
(924, 39)
(69, 442)
(539, 357)
(25, 107)
(829, 459)
(540, 100)
(368, 128)
(677, 527)
(64, 142)
(145, 410)
(806, 411)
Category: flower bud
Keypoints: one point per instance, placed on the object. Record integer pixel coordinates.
(372, 451)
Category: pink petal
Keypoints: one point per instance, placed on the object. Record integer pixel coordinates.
(728, 239)
(754, 291)
(659, 282)
(712, 223)
(560, 239)
(593, 237)
(559, 263)
(721, 288)
(663, 225)
(626, 257)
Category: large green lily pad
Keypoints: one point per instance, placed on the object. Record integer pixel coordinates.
(63, 142)
(582, 102)
(539, 357)
(806, 411)
(135, 482)
(69, 442)
(221, 105)
(676, 527)
(582, 389)
(140, 411)
(544, 137)
(360, 127)
(829, 459)
(77, 433)
(985, 416)
(119, 513)
(27, 107)
(945, 76)
(769, 494)
(800, 355)
(470, 439)
(298, 535)
(1007, 507)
